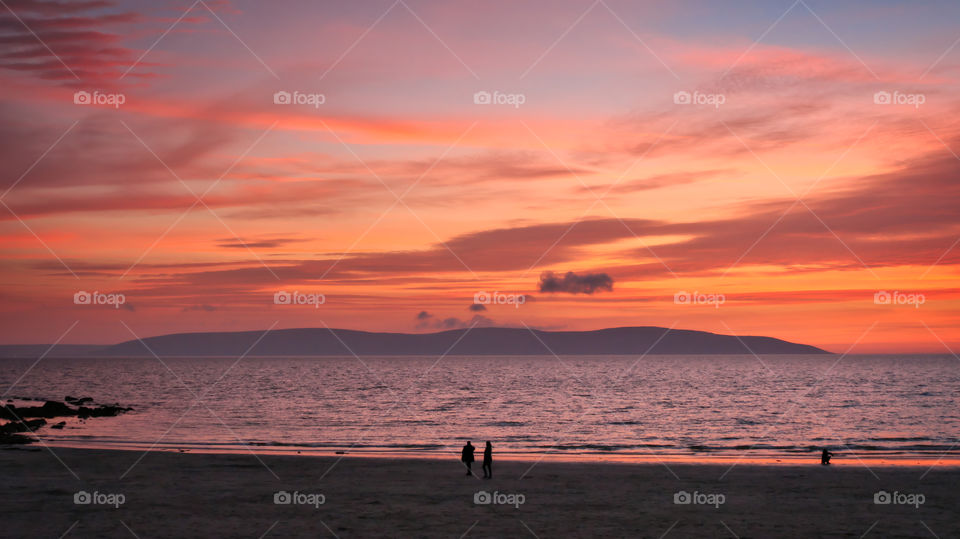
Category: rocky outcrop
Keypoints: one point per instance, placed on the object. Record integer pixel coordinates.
(19, 416)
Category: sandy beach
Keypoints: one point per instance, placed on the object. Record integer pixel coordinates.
(168, 494)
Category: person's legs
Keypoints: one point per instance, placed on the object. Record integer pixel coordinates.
(487, 471)
(469, 471)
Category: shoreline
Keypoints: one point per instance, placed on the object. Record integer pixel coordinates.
(840, 459)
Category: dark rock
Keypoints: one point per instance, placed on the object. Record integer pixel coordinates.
(22, 426)
(8, 411)
(102, 411)
(56, 409)
(49, 409)
(11, 439)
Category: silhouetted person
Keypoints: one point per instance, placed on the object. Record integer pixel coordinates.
(488, 461)
(825, 457)
(467, 457)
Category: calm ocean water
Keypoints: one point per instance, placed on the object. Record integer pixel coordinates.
(671, 405)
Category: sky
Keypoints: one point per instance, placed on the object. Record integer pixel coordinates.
(780, 168)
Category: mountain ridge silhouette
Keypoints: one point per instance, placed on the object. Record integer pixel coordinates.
(470, 341)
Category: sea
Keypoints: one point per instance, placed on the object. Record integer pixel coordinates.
(774, 408)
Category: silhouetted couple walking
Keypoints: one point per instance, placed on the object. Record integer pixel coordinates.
(467, 457)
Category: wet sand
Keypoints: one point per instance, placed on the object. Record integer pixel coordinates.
(192, 495)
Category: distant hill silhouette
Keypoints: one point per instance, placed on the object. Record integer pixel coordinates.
(478, 341)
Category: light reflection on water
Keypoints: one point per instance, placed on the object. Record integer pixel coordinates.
(663, 405)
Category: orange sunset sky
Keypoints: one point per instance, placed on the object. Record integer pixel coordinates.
(796, 159)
